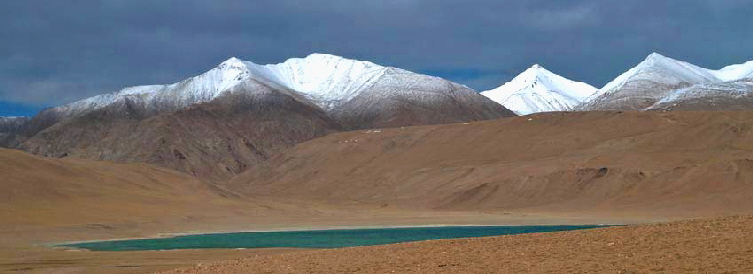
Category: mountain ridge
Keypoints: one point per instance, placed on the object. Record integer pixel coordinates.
(239, 113)
(328, 81)
(655, 78)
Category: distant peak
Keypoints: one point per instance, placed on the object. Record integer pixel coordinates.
(536, 70)
(316, 54)
(232, 62)
(325, 58)
(657, 57)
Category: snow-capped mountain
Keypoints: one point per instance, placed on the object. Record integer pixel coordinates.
(12, 123)
(9, 127)
(648, 82)
(239, 113)
(539, 90)
(328, 81)
(663, 81)
(735, 95)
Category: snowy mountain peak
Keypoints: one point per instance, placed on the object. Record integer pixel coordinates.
(664, 70)
(539, 90)
(231, 61)
(325, 56)
(659, 76)
(535, 75)
(327, 80)
(537, 70)
(656, 59)
(234, 64)
(655, 56)
(728, 73)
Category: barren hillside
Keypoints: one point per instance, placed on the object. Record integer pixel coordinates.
(671, 164)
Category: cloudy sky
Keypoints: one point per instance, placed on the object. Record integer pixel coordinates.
(58, 51)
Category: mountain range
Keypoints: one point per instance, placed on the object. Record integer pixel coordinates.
(656, 83)
(220, 122)
(660, 82)
(240, 113)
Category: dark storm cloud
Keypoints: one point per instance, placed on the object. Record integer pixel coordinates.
(58, 51)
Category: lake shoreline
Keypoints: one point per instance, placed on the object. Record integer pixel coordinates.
(179, 234)
(318, 239)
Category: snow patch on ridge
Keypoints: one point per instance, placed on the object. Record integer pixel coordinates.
(328, 80)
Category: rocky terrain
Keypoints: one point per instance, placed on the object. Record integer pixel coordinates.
(211, 140)
(697, 246)
(9, 127)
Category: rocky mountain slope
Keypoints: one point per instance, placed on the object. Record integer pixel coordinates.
(635, 163)
(9, 126)
(239, 113)
(736, 95)
(539, 90)
(211, 140)
(661, 82)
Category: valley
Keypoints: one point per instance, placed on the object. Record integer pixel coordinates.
(324, 142)
(551, 168)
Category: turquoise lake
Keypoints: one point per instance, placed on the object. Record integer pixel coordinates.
(318, 238)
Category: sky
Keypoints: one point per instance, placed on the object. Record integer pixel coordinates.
(58, 51)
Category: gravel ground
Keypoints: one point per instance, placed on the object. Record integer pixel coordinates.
(722, 245)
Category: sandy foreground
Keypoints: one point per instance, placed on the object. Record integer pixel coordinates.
(722, 245)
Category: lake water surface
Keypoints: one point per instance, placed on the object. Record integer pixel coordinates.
(318, 238)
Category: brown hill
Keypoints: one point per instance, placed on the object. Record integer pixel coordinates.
(42, 191)
(217, 140)
(212, 141)
(673, 164)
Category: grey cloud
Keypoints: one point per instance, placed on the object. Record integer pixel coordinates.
(556, 19)
(57, 51)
